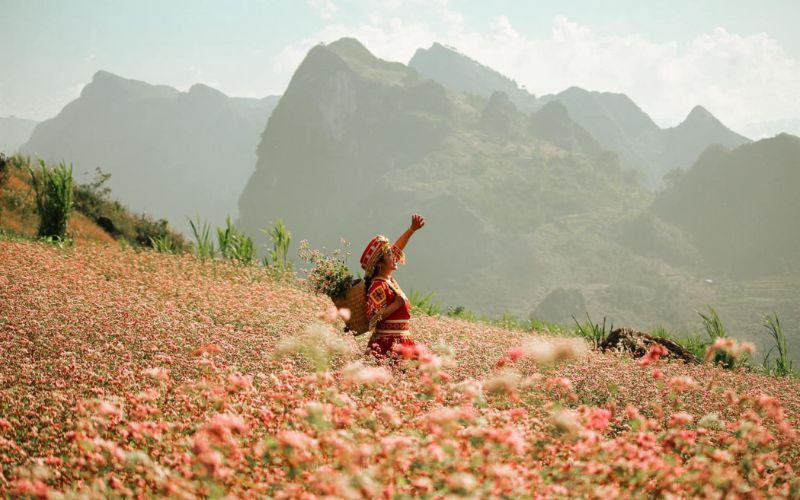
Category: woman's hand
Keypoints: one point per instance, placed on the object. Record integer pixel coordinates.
(417, 221)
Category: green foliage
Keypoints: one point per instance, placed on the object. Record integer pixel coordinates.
(202, 236)
(235, 245)
(423, 303)
(781, 365)
(594, 332)
(715, 329)
(93, 200)
(53, 189)
(329, 273)
(281, 239)
(692, 343)
(163, 244)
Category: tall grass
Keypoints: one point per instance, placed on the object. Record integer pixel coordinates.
(782, 365)
(281, 239)
(235, 245)
(54, 193)
(423, 302)
(715, 330)
(163, 244)
(202, 236)
(594, 332)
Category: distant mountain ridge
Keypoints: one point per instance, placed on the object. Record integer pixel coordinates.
(467, 75)
(14, 132)
(171, 154)
(740, 206)
(612, 119)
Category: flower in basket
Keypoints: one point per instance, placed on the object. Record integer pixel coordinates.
(329, 273)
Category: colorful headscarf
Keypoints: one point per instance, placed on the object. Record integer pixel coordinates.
(374, 253)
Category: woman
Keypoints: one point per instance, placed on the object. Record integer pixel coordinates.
(388, 308)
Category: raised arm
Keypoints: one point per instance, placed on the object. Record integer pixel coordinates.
(417, 221)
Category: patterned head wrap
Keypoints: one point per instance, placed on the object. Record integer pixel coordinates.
(373, 253)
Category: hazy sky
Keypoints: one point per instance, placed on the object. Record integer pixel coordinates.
(740, 59)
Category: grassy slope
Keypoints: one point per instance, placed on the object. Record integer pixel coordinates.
(89, 322)
(17, 212)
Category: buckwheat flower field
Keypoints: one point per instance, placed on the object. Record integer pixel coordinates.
(137, 374)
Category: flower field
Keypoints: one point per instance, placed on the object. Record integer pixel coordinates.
(127, 373)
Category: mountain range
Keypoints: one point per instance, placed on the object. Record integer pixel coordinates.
(171, 154)
(527, 210)
(542, 205)
(614, 120)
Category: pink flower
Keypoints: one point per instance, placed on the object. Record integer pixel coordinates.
(681, 384)
(598, 419)
(680, 419)
(515, 353)
(653, 355)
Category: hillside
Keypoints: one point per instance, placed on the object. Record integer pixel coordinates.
(18, 212)
(171, 154)
(612, 119)
(96, 217)
(148, 374)
(357, 143)
(14, 132)
(740, 207)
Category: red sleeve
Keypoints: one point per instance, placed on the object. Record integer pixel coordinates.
(380, 295)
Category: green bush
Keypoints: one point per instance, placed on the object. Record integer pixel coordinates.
(93, 200)
(54, 194)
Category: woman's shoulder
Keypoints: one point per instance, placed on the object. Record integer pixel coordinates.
(378, 290)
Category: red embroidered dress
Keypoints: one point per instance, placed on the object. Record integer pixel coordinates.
(393, 329)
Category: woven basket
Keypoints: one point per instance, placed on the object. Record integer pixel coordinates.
(356, 301)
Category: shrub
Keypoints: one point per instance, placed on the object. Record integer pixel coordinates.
(93, 200)
(782, 364)
(53, 188)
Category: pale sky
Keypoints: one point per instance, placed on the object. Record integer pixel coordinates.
(739, 59)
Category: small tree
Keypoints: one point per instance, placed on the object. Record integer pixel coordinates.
(54, 191)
